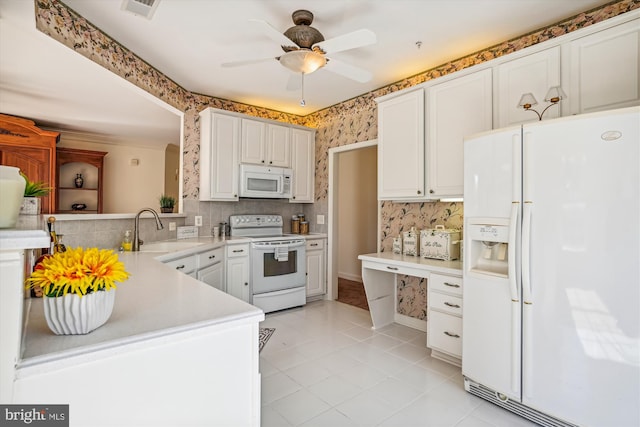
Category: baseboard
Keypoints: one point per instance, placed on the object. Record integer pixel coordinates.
(411, 322)
(349, 276)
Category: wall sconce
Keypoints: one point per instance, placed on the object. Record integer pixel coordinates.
(554, 95)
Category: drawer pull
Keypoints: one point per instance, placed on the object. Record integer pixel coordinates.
(180, 267)
(392, 268)
(453, 285)
(451, 335)
(451, 305)
(235, 251)
(313, 244)
(212, 256)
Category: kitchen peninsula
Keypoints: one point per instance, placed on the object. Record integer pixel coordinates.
(174, 352)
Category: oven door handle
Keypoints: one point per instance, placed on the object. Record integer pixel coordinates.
(273, 245)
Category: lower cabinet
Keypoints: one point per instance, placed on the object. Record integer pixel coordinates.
(211, 268)
(316, 267)
(238, 271)
(444, 317)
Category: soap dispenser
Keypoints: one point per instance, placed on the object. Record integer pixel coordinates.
(127, 242)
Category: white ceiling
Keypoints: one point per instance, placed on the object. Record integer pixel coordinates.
(187, 40)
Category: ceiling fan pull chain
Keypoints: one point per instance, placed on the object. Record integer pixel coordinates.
(302, 103)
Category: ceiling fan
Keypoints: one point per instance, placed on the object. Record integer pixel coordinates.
(305, 48)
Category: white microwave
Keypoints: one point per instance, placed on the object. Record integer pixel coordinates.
(265, 182)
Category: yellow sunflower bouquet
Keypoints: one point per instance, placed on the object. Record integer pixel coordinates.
(78, 271)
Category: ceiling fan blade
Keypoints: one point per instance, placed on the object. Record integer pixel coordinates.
(240, 63)
(348, 41)
(347, 70)
(294, 82)
(274, 34)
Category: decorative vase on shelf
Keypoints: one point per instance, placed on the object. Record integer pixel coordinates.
(72, 314)
(12, 191)
(79, 181)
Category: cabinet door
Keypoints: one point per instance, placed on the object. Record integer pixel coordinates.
(457, 108)
(605, 69)
(252, 147)
(535, 74)
(219, 155)
(401, 147)
(303, 165)
(315, 273)
(213, 276)
(238, 278)
(278, 146)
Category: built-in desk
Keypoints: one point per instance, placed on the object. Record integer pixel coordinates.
(379, 274)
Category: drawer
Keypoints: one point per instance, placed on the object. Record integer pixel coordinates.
(450, 284)
(315, 244)
(184, 265)
(444, 333)
(446, 303)
(210, 257)
(234, 251)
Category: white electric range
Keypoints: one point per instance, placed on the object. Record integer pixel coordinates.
(278, 262)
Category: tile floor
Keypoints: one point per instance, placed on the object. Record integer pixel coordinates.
(325, 367)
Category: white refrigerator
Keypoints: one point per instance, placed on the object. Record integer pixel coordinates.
(551, 316)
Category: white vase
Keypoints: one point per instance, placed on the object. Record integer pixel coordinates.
(74, 315)
(11, 190)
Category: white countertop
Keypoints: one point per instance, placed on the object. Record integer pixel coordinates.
(155, 301)
(435, 265)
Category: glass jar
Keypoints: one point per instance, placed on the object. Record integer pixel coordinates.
(304, 227)
(295, 224)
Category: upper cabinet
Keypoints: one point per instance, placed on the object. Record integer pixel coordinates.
(228, 139)
(219, 155)
(33, 150)
(604, 69)
(455, 109)
(303, 165)
(401, 174)
(535, 74)
(265, 144)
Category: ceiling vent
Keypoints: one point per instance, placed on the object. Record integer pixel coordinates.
(144, 8)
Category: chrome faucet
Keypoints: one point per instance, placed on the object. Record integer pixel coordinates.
(136, 240)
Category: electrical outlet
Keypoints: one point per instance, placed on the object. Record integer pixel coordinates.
(320, 219)
(198, 221)
(172, 226)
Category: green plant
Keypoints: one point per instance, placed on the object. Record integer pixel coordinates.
(35, 189)
(167, 201)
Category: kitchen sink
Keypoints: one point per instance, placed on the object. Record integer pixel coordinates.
(169, 246)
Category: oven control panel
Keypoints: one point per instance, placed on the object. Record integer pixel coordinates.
(253, 221)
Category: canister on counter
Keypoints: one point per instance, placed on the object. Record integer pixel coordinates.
(301, 217)
(304, 227)
(410, 244)
(295, 224)
(397, 245)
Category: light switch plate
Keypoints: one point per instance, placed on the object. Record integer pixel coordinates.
(172, 226)
(320, 219)
(198, 221)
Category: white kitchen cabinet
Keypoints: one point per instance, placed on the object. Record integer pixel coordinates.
(401, 160)
(444, 317)
(219, 155)
(184, 264)
(534, 73)
(237, 271)
(303, 165)
(265, 144)
(316, 267)
(604, 69)
(456, 108)
(211, 268)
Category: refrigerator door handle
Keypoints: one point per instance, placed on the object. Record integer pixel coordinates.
(526, 261)
(515, 300)
(513, 226)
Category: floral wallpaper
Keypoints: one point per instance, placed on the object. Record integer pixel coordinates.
(349, 122)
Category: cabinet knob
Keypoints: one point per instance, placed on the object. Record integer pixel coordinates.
(235, 195)
(246, 283)
(453, 285)
(180, 267)
(212, 256)
(419, 192)
(431, 191)
(262, 161)
(451, 335)
(270, 163)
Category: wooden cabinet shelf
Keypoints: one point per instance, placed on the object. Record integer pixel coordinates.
(70, 162)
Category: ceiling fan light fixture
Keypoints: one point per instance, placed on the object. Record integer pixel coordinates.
(303, 61)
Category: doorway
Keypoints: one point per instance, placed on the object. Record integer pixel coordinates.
(353, 220)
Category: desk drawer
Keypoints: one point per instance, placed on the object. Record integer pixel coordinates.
(444, 333)
(445, 303)
(449, 284)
